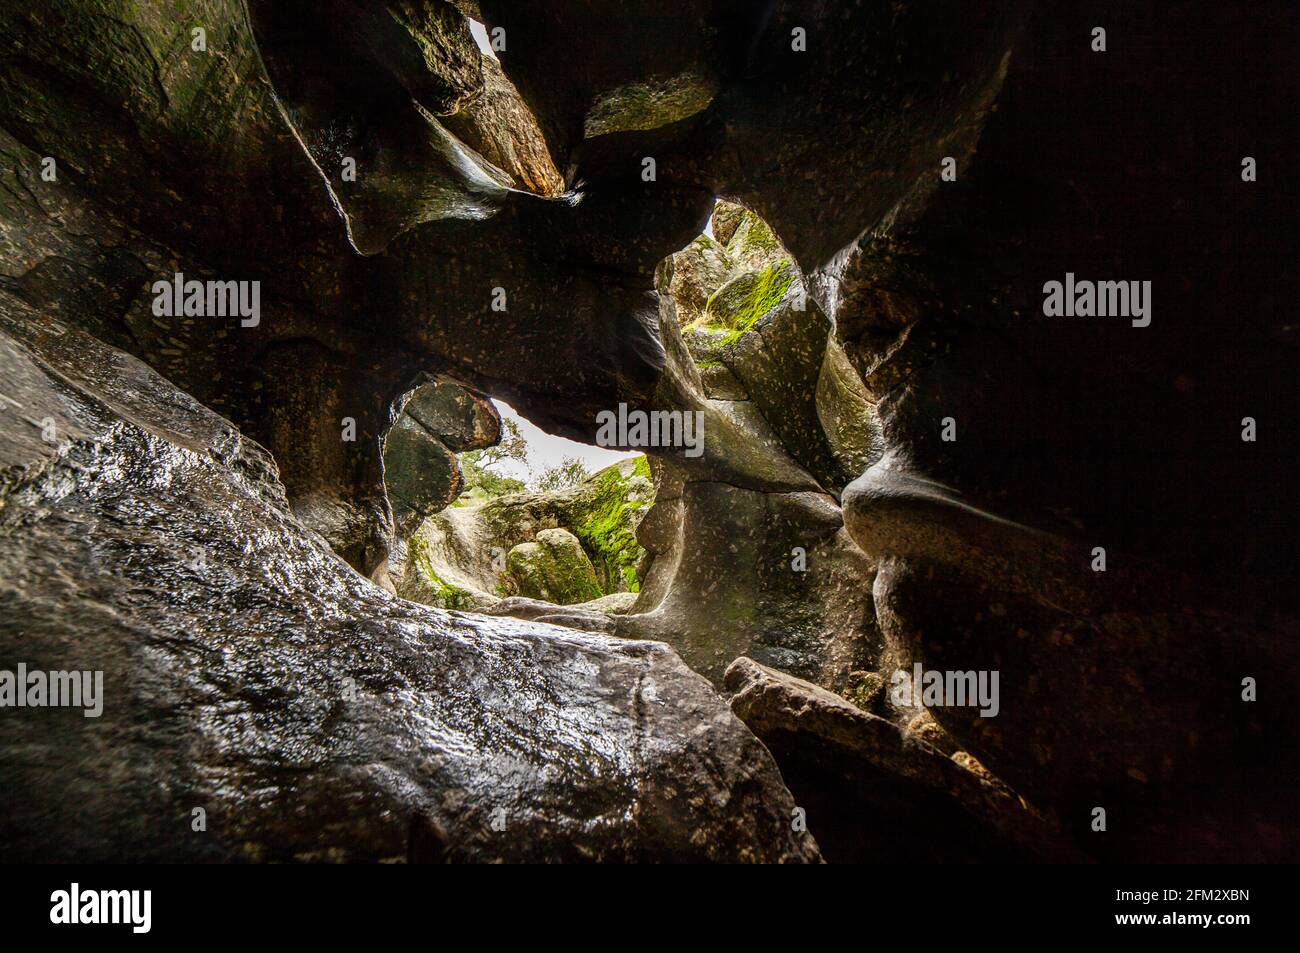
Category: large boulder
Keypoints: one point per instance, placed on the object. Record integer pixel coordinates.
(421, 472)
(752, 244)
(458, 558)
(553, 567)
(725, 220)
(698, 271)
(780, 365)
(248, 673)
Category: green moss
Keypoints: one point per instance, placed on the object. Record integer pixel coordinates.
(606, 525)
(449, 596)
(739, 311)
(650, 105)
(863, 689)
(554, 567)
(752, 235)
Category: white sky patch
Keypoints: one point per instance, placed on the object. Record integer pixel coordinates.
(545, 450)
(480, 34)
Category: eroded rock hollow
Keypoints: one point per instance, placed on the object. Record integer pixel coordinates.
(265, 263)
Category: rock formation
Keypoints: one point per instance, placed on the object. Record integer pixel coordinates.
(471, 556)
(262, 262)
(437, 421)
(248, 673)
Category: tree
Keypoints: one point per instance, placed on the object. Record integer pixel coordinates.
(476, 465)
(568, 472)
(510, 446)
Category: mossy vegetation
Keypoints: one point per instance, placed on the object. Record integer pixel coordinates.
(753, 237)
(568, 545)
(863, 689)
(448, 596)
(606, 520)
(737, 305)
(728, 288)
(555, 568)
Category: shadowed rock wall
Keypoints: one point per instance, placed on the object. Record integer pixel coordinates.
(1008, 445)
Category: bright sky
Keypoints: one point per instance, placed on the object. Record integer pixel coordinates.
(480, 34)
(545, 450)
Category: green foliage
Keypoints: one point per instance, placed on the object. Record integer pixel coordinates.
(481, 482)
(568, 472)
(511, 446)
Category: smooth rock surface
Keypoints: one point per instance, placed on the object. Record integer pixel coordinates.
(250, 673)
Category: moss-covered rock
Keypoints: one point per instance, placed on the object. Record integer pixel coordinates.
(780, 366)
(461, 556)
(705, 344)
(421, 472)
(744, 299)
(429, 587)
(650, 104)
(846, 412)
(554, 568)
(753, 245)
(616, 603)
(605, 518)
(699, 269)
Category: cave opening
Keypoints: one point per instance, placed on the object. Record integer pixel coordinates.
(307, 550)
(521, 521)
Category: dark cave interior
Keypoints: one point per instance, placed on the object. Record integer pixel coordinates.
(818, 239)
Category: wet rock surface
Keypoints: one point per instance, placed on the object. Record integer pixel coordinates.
(353, 159)
(250, 673)
(747, 554)
(864, 773)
